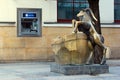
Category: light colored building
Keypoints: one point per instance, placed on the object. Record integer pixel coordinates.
(49, 9)
(13, 48)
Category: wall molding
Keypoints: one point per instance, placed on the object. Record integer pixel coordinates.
(7, 23)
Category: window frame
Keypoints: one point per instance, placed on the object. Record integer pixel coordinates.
(73, 10)
(116, 4)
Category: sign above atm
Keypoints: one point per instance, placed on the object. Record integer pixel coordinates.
(29, 15)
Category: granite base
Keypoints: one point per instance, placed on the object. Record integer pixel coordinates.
(92, 69)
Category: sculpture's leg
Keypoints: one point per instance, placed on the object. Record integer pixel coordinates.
(103, 61)
(73, 22)
(89, 58)
(91, 53)
(76, 25)
(98, 41)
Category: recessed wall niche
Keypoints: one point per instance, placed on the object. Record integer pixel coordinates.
(29, 22)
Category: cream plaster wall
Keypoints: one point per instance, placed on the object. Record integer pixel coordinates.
(107, 11)
(8, 9)
(49, 9)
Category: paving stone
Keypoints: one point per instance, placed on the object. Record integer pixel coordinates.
(41, 71)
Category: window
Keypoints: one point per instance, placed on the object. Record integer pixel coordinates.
(28, 22)
(67, 9)
(117, 11)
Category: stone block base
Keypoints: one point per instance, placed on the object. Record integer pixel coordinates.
(79, 69)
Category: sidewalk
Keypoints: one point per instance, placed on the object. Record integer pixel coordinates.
(41, 71)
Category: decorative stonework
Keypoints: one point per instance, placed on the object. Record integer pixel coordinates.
(68, 51)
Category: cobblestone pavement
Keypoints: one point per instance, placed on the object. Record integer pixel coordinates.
(41, 71)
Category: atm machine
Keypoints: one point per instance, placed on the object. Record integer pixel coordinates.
(29, 22)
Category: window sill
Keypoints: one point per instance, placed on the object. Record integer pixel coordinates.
(55, 24)
(110, 25)
(7, 23)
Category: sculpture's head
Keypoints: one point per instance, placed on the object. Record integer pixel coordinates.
(86, 13)
(81, 14)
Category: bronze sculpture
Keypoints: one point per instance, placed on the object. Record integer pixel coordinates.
(78, 47)
(86, 25)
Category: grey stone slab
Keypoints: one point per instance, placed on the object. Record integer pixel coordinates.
(79, 69)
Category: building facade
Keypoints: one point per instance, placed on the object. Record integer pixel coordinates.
(59, 10)
(56, 16)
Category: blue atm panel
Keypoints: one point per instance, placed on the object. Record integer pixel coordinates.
(29, 15)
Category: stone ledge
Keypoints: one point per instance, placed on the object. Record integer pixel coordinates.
(79, 69)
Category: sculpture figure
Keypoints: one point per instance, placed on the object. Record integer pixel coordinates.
(86, 25)
(83, 46)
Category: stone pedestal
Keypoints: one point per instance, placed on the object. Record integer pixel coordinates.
(71, 49)
(79, 69)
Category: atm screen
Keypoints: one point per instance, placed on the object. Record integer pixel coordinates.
(29, 15)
